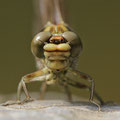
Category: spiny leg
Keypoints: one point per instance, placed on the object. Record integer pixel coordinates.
(21, 85)
(36, 76)
(67, 90)
(43, 90)
(83, 86)
(89, 79)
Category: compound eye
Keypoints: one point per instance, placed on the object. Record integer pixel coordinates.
(74, 41)
(70, 36)
(38, 43)
(41, 37)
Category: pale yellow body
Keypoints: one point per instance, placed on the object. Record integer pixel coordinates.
(57, 56)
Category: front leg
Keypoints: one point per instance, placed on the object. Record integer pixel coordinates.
(64, 84)
(32, 77)
(36, 76)
(91, 80)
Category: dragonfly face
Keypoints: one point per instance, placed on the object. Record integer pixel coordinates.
(58, 48)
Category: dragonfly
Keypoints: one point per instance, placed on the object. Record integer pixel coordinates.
(56, 49)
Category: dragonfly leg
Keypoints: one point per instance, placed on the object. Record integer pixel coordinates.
(67, 90)
(91, 88)
(36, 76)
(32, 77)
(83, 86)
(43, 90)
(21, 85)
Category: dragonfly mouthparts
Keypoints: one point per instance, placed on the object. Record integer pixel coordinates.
(63, 47)
(57, 58)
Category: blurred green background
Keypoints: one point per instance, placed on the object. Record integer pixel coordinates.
(96, 21)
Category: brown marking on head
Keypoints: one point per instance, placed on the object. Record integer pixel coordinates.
(56, 38)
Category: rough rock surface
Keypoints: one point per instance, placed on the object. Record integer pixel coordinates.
(58, 110)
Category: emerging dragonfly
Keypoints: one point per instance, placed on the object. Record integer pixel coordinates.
(56, 48)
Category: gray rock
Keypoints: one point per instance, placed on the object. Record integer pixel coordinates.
(59, 110)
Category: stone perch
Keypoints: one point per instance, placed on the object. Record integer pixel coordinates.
(58, 110)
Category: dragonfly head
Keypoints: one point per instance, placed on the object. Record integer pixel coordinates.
(57, 49)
